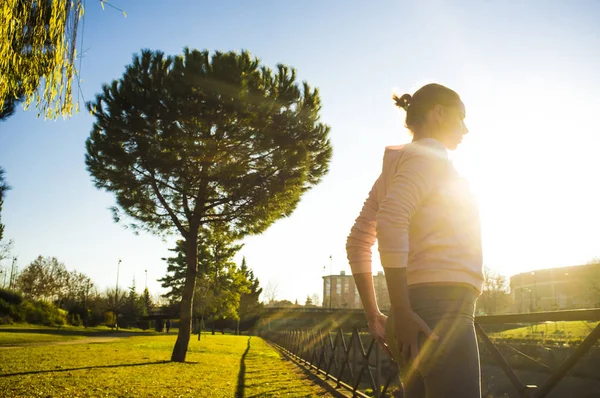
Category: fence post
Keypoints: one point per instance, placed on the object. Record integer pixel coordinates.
(377, 370)
(355, 347)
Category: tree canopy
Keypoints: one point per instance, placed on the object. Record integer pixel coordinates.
(195, 139)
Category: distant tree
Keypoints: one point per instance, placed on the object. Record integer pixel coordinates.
(200, 139)
(315, 299)
(220, 284)
(3, 188)
(116, 300)
(592, 281)
(271, 292)
(74, 294)
(133, 307)
(250, 306)
(216, 249)
(280, 304)
(495, 291)
(6, 249)
(147, 302)
(45, 278)
(38, 49)
(308, 302)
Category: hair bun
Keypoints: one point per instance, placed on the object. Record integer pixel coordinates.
(403, 102)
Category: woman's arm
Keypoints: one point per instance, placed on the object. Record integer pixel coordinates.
(358, 248)
(364, 285)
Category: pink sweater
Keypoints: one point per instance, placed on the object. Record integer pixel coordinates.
(424, 217)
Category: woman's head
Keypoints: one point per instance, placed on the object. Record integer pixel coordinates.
(434, 111)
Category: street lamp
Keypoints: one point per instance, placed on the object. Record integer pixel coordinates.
(530, 299)
(117, 297)
(535, 288)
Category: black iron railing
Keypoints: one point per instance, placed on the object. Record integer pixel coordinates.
(354, 362)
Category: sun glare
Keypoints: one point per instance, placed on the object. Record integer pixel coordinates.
(528, 158)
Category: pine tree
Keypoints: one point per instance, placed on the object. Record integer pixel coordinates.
(195, 140)
(250, 307)
(147, 303)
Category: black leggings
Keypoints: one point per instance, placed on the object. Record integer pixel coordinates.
(449, 367)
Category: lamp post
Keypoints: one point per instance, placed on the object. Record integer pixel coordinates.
(117, 297)
(330, 279)
(535, 289)
(530, 299)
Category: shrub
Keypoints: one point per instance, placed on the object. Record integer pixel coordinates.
(12, 312)
(109, 319)
(5, 308)
(11, 296)
(43, 313)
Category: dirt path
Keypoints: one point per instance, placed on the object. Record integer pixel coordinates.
(85, 340)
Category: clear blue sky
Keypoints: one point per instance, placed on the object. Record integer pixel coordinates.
(527, 71)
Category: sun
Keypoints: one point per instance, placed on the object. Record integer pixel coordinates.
(528, 162)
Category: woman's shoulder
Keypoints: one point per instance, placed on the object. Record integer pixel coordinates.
(427, 147)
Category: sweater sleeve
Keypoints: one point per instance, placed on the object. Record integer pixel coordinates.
(415, 177)
(362, 236)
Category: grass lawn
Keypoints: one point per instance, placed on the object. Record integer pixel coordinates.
(217, 366)
(551, 330)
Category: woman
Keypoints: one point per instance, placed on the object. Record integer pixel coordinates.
(427, 226)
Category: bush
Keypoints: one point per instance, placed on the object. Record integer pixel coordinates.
(5, 308)
(109, 319)
(11, 312)
(43, 313)
(11, 296)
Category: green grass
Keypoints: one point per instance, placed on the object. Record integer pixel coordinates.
(551, 330)
(138, 367)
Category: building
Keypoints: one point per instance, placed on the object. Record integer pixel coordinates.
(339, 291)
(556, 288)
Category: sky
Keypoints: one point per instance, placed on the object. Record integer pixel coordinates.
(527, 72)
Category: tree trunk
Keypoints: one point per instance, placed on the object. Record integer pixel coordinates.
(200, 327)
(187, 297)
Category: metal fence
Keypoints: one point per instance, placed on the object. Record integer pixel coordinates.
(355, 363)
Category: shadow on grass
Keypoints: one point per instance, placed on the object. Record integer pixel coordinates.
(239, 393)
(34, 372)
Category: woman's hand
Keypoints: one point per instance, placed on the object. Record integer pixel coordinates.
(407, 326)
(377, 324)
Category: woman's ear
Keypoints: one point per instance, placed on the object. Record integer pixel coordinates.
(438, 115)
(439, 112)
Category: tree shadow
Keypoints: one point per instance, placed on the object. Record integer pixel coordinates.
(239, 393)
(33, 372)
